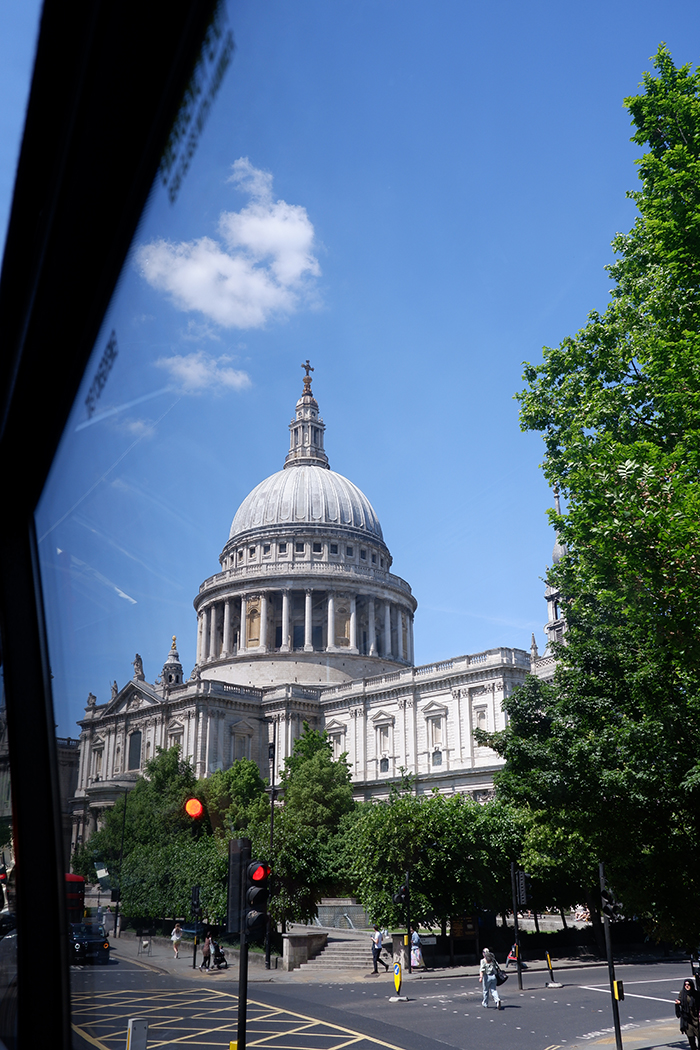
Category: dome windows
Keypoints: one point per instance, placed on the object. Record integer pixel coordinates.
(334, 548)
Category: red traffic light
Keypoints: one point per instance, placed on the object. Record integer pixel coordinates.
(194, 808)
(258, 872)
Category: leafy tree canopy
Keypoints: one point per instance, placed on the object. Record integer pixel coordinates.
(457, 853)
(609, 755)
(307, 830)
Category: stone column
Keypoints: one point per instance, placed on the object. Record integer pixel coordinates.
(200, 618)
(205, 635)
(399, 633)
(353, 624)
(243, 636)
(308, 625)
(285, 647)
(331, 622)
(372, 629)
(387, 629)
(263, 622)
(213, 626)
(411, 657)
(226, 651)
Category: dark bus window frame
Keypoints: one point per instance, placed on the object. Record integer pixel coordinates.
(109, 78)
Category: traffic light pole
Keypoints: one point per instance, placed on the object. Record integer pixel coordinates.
(408, 919)
(611, 965)
(515, 919)
(243, 960)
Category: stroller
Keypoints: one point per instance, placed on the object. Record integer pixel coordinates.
(218, 957)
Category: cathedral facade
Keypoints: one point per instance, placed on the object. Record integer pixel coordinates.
(304, 622)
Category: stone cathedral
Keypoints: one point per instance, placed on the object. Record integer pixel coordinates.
(304, 622)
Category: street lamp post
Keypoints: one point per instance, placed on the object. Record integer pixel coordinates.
(121, 858)
(272, 747)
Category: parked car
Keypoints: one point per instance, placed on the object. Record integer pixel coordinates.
(88, 941)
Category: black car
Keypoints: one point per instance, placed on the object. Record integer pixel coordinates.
(88, 941)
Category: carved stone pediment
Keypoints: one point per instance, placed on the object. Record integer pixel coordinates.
(382, 718)
(434, 710)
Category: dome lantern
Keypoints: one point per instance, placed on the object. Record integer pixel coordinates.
(306, 430)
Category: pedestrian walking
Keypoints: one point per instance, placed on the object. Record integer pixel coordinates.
(377, 950)
(487, 979)
(687, 1011)
(176, 937)
(206, 952)
(416, 951)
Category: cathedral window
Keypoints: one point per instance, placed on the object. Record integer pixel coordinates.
(97, 764)
(437, 758)
(240, 746)
(349, 551)
(374, 559)
(135, 750)
(383, 765)
(381, 563)
(334, 548)
(240, 554)
(363, 555)
(266, 548)
(283, 548)
(435, 733)
(251, 552)
(300, 547)
(318, 548)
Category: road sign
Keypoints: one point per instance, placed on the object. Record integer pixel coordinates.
(397, 978)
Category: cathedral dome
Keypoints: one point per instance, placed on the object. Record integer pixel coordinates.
(306, 495)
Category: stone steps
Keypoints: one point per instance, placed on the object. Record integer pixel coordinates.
(344, 955)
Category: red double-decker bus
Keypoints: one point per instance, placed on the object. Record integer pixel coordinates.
(75, 897)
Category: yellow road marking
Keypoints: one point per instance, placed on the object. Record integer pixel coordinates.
(88, 1002)
(88, 1038)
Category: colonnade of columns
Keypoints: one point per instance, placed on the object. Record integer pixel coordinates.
(328, 621)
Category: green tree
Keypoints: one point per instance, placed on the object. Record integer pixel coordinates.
(154, 813)
(232, 797)
(610, 754)
(317, 795)
(457, 853)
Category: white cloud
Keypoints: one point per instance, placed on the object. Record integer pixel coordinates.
(262, 266)
(197, 372)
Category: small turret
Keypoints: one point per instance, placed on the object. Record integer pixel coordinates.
(172, 668)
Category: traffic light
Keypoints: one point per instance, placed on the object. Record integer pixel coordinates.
(195, 811)
(523, 884)
(196, 903)
(609, 906)
(401, 896)
(194, 808)
(256, 897)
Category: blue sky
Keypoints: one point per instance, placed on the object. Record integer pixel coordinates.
(417, 197)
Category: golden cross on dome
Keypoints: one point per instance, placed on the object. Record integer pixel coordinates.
(307, 378)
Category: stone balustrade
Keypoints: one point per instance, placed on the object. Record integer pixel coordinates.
(301, 568)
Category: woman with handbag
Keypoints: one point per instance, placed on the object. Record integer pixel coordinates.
(687, 1011)
(487, 978)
